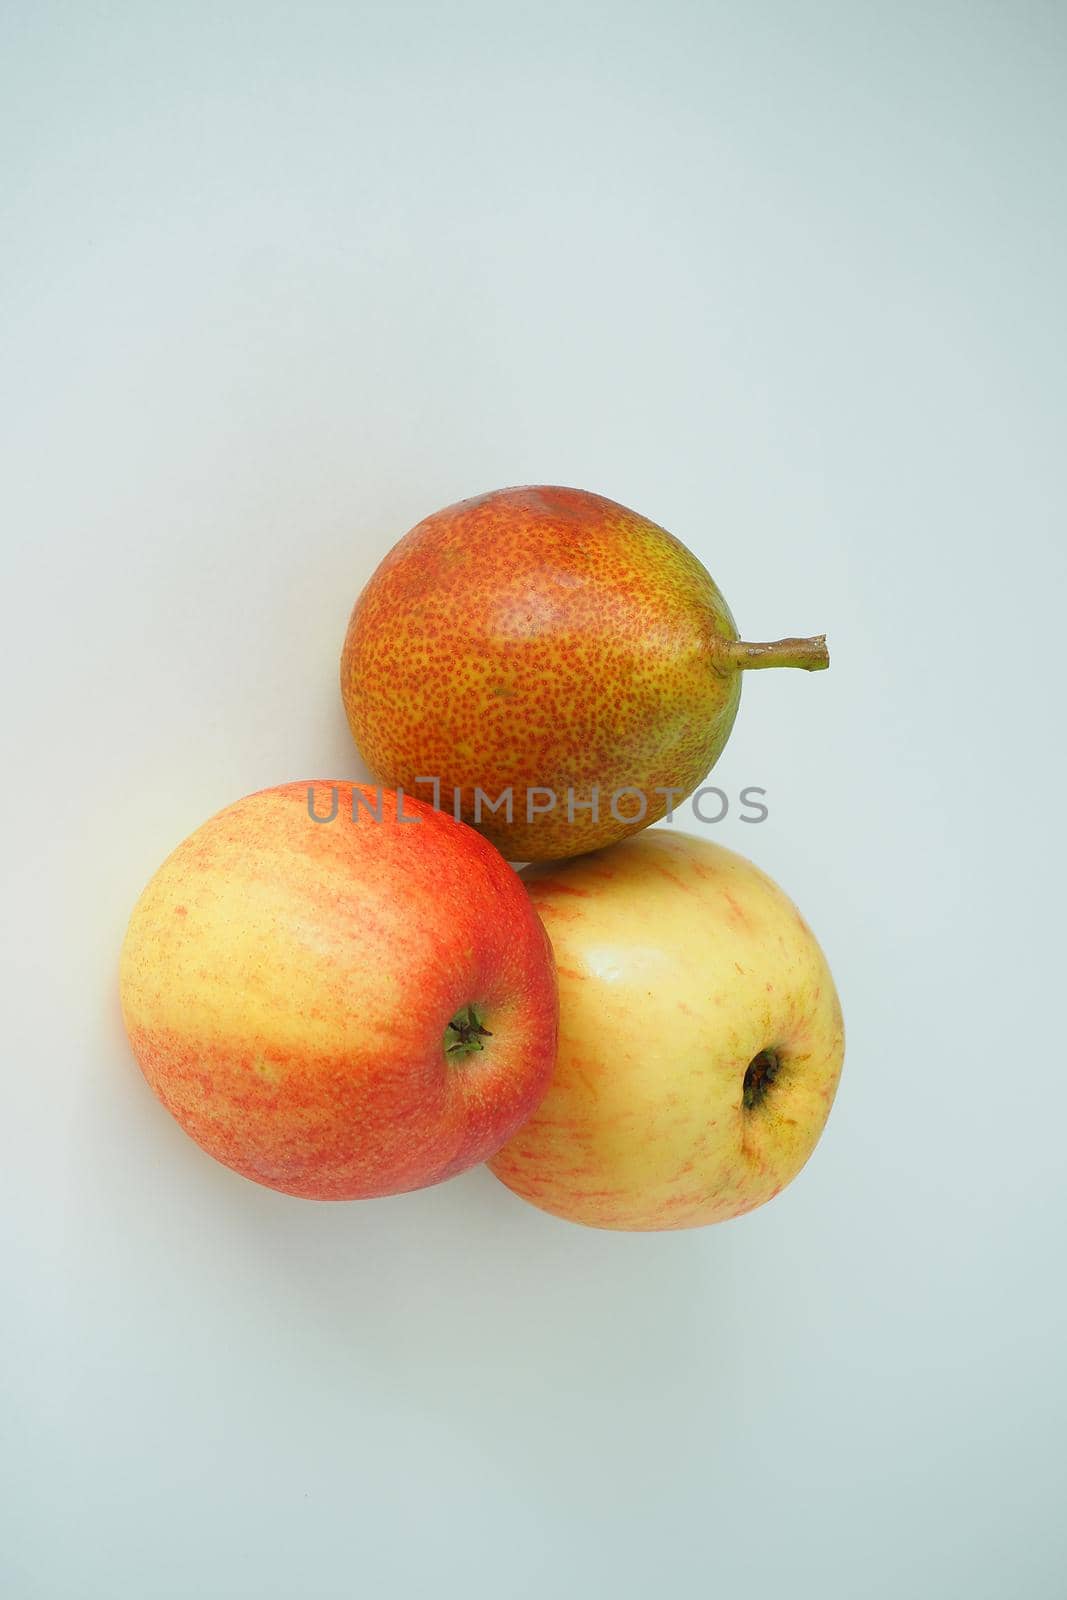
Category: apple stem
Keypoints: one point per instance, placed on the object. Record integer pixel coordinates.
(760, 1076)
(810, 655)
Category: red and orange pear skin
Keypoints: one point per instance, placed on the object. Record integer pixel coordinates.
(547, 642)
(298, 993)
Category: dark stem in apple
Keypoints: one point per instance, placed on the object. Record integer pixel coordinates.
(810, 655)
(464, 1034)
(760, 1075)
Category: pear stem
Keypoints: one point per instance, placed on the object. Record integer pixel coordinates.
(810, 655)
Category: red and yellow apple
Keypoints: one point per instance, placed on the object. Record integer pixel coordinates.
(700, 1046)
(561, 669)
(340, 1008)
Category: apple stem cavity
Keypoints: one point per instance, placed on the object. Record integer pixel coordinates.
(760, 1075)
(810, 655)
(464, 1034)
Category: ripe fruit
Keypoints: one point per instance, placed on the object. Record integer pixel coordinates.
(344, 1008)
(551, 646)
(700, 1039)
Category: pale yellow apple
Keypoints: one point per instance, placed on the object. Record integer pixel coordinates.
(701, 1039)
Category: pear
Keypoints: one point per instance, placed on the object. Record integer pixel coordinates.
(550, 667)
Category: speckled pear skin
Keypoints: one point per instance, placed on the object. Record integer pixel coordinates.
(549, 638)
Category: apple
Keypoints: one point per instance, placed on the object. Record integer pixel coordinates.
(556, 668)
(345, 1007)
(701, 1039)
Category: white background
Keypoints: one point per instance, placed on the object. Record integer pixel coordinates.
(279, 280)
